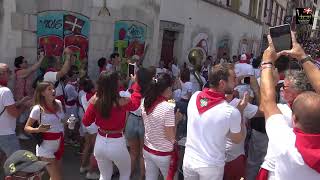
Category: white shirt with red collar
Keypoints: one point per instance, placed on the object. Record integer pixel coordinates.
(207, 133)
(51, 76)
(291, 164)
(269, 160)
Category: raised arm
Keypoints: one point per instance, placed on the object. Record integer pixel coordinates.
(267, 89)
(135, 100)
(309, 67)
(89, 116)
(67, 63)
(23, 73)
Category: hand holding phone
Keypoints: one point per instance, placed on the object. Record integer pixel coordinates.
(131, 69)
(281, 37)
(44, 127)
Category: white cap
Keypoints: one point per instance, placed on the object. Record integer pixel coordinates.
(243, 57)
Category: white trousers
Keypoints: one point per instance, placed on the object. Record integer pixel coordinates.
(190, 172)
(153, 163)
(108, 150)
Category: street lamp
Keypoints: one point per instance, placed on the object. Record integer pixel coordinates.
(104, 10)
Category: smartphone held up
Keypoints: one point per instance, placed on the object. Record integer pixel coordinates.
(131, 69)
(281, 37)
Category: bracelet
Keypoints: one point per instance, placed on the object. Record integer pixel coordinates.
(308, 58)
(266, 66)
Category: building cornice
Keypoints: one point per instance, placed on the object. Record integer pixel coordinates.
(234, 11)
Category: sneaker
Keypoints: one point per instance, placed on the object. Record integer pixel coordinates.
(84, 169)
(23, 137)
(93, 175)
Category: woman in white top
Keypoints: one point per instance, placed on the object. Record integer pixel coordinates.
(48, 112)
(160, 127)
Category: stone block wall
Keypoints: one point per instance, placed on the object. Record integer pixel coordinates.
(19, 25)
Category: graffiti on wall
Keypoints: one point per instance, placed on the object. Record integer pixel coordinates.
(223, 47)
(129, 38)
(57, 30)
(201, 41)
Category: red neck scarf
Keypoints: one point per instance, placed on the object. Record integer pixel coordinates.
(51, 70)
(89, 95)
(50, 110)
(207, 99)
(308, 146)
(243, 61)
(159, 100)
(3, 83)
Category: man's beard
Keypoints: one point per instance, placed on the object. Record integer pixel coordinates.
(228, 90)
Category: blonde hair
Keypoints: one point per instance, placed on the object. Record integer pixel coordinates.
(39, 99)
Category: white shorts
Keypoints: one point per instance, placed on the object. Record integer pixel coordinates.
(47, 148)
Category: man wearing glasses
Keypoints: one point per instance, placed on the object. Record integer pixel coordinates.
(24, 165)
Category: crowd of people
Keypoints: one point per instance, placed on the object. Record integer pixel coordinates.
(241, 118)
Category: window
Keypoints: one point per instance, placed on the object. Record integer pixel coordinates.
(270, 11)
(253, 8)
(279, 21)
(265, 8)
(260, 9)
(275, 15)
(228, 3)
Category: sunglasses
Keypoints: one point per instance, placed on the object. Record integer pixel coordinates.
(284, 87)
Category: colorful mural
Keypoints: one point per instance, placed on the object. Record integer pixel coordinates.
(201, 41)
(57, 30)
(129, 38)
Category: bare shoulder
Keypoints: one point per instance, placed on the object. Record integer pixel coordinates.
(93, 99)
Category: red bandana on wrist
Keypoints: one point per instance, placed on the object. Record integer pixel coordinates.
(308, 146)
(207, 99)
(159, 100)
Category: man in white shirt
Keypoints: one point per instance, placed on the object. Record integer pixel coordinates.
(9, 111)
(242, 68)
(235, 167)
(54, 73)
(296, 150)
(210, 120)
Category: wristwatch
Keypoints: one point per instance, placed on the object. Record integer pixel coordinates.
(308, 58)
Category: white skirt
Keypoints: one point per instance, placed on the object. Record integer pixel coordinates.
(47, 148)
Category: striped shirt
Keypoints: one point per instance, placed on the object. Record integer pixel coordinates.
(155, 123)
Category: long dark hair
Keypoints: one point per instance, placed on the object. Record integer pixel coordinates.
(107, 93)
(145, 78)
(156, 88)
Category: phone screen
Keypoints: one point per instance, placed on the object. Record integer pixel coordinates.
(281, 37)
(131, 69)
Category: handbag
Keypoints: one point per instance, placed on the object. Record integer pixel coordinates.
(38, 136)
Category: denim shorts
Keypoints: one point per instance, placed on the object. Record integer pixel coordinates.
(9, 144)
(134, 127)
